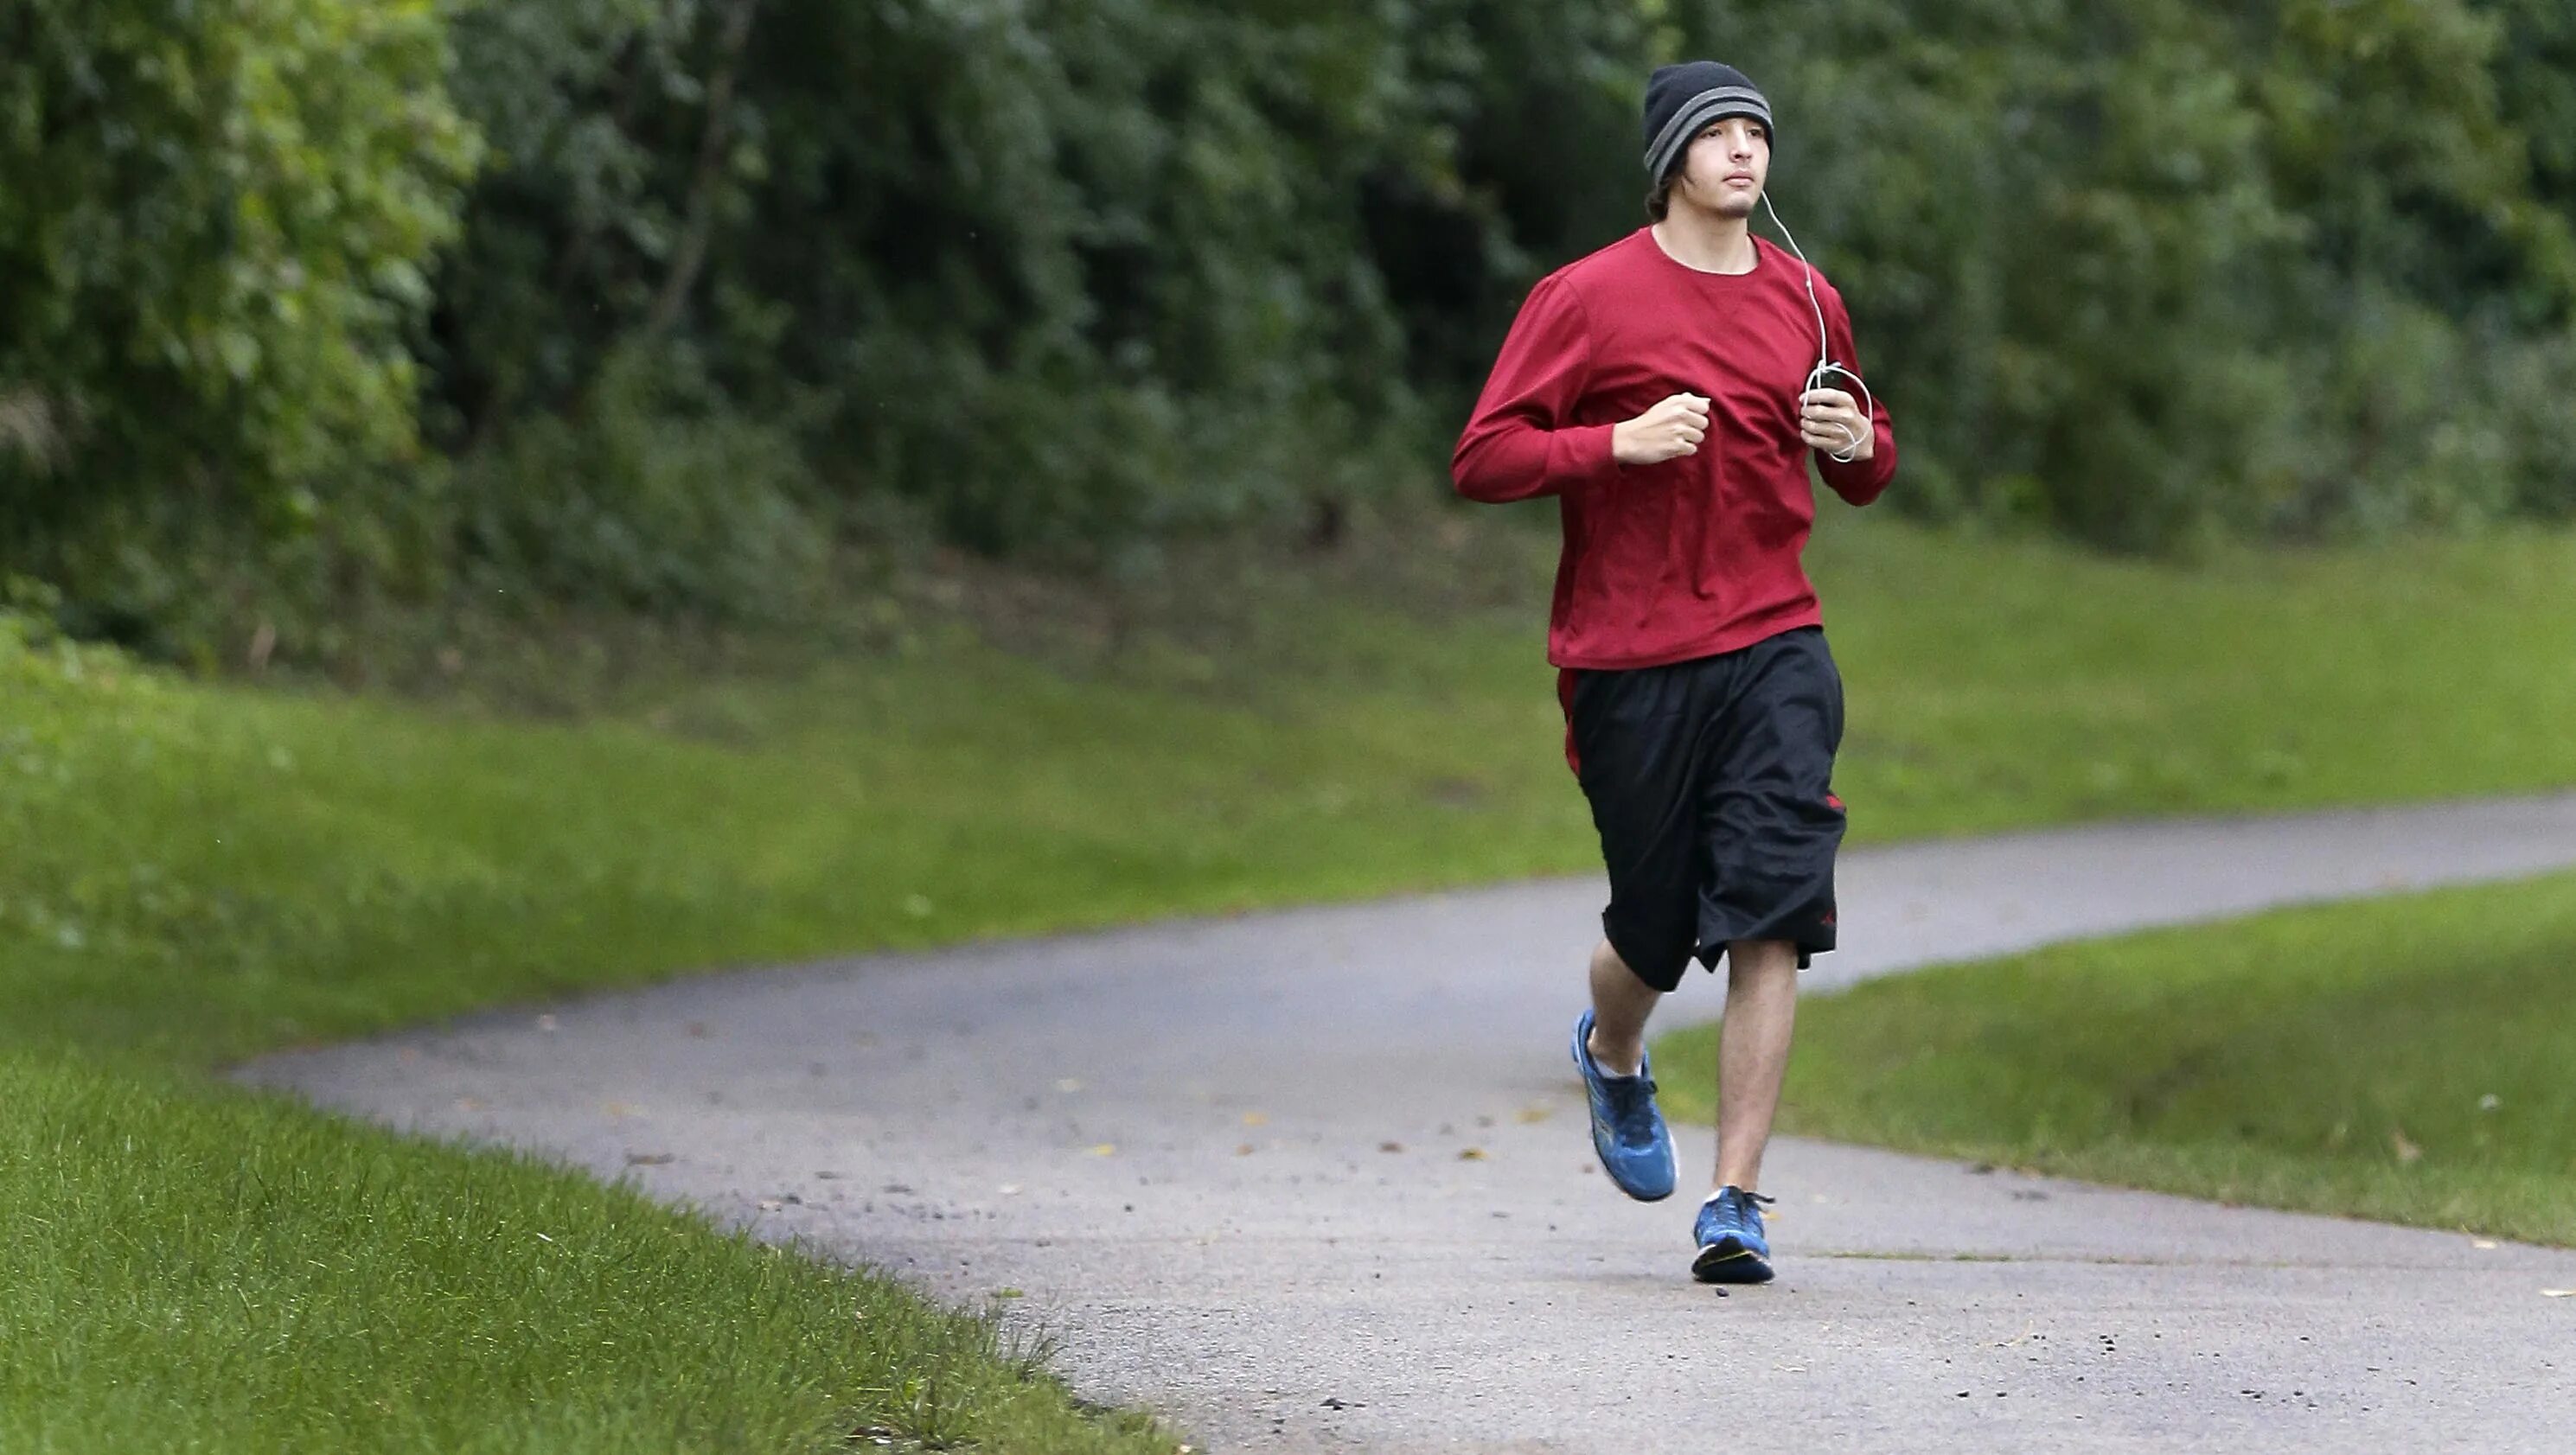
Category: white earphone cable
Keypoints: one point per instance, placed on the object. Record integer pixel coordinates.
(1825, 368)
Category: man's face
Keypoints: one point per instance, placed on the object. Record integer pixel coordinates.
(1725, 168)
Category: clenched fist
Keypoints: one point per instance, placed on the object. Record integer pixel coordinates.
(1832, 421)
(1670, 430)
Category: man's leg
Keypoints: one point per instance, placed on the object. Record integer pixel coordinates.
(1753, 1054)
(1620, 1005)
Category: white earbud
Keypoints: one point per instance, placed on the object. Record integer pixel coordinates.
(1825, 368)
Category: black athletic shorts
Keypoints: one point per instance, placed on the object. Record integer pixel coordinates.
(1711, 782)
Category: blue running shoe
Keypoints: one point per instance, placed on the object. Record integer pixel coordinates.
(1627, 1131)
(1732, 1248)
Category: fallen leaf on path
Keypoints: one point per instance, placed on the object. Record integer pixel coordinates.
(1390, 1146)
(1243, 1151)
(1105, 1149)
(1532, 1115)
(617, 1109)
(1472, 1154)
(1256, 1119)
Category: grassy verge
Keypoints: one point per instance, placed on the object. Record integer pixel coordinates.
(198, 872)
(2004, 684)
(205, 871)
(2403, 1059)
(195, 1272)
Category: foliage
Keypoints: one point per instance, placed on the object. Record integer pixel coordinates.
(2159, 270)
(643, 497)
(1064, 272)
(738, 278)
(217, 222)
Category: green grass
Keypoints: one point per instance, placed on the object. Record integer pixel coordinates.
(202, 872)
(199, 872)
(2403, 1059)
(1998, 685)
(190, 1272)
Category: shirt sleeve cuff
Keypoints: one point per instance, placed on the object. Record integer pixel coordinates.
(1583, 454)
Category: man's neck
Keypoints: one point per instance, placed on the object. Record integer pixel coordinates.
(1696, 238)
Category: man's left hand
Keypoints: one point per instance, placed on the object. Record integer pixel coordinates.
(1831, 421)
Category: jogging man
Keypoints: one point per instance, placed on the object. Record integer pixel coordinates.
(1663, 389)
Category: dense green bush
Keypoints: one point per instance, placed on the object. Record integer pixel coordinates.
(1062, 272)
(217, 221)
(643, 497)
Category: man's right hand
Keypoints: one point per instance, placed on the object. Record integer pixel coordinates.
(1668, 431)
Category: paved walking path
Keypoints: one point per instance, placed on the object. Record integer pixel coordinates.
(1319, 1180)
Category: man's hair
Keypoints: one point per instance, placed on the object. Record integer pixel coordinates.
(1659, 198)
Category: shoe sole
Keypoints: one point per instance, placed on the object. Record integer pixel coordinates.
(1717, 1263)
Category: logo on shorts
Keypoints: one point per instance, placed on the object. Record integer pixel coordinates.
(1834, 801)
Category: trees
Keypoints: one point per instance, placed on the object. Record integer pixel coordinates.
(674, 291)
(2156, 269)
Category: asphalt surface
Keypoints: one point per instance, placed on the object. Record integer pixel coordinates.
(1319, 1180)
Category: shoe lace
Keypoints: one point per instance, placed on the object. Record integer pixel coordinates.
(1630, 1095)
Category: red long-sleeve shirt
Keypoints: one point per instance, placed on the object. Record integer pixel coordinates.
(1698, 555)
